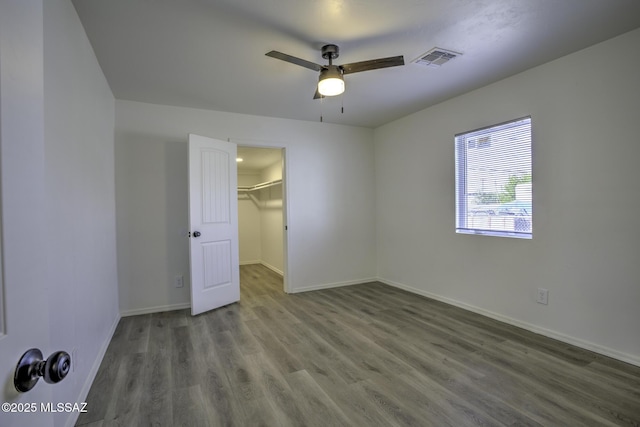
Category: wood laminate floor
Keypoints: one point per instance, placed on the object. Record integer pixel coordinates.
(364, 355)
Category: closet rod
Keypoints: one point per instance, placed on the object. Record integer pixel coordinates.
(260, 186)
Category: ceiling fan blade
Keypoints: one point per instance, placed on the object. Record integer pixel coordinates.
(317, 95)
(292, 59)
(373, 64)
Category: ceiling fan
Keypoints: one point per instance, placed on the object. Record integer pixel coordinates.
(331, 80)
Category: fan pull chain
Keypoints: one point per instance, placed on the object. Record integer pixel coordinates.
(322, 103)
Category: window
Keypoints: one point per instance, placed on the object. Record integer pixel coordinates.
(493, 180)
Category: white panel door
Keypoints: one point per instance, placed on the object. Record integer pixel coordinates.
(213, 224)
(24, 307)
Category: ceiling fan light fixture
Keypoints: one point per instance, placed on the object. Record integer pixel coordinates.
(331, 82)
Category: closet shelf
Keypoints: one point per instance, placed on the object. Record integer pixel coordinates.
(248, 188)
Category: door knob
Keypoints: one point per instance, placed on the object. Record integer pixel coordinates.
(31, 367)
(196, 234)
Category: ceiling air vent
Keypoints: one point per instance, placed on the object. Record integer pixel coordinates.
(436, 57)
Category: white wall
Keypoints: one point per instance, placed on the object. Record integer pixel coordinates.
(271, 219)
(330, 198)
(272, 172)
(585, 193)
(249, 223)
(79, 113)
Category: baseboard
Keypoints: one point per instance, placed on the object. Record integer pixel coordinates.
(157, 309)
(605, 351)
(266, 264)
(272, 268)
(84, 391)
(331, 285)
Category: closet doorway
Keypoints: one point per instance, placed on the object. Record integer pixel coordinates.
(262, 208)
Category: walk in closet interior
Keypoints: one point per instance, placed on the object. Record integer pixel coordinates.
(260, 207)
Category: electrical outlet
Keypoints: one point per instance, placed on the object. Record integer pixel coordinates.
(543, 296)
(179, 281)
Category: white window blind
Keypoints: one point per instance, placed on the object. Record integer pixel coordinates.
(493, 180)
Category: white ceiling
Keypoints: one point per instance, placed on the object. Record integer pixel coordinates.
(211, 53)
(255, 159)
